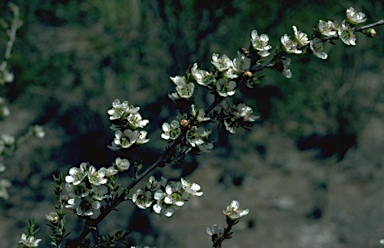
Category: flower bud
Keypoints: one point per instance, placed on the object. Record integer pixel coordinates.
(248, 73)
(184, 123)
(370, 32)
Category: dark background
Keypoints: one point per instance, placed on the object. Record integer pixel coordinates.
(310, 170)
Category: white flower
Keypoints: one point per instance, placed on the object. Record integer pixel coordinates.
(300, 37)
(125, 139)
(152, 183)
(122, 164)
(327, 28)
(198, 137)
(245, 112)
(222, 63)
(120, 109)
(171, 131)
(191, 188)
(183, 89)
(142, 138)
(76, 175)
(136, 121)
(240, 63)
(199, 114)
(233, 212)
(225, 88)
(97, 177)
(317, 48)
(142, 199)
(346, 34)
(29, 241)
(354, 17)
(260, 43)
(173, 194)
(202, 77)
(289, 45)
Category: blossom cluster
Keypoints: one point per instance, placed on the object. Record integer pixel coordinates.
(126, 122)
(221, 81)
(196, 135)
(236, 116)
(163, 196)
(233, 213)
(88, 187)
(344, 31)
(29, 241)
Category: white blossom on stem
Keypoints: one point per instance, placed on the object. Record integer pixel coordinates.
(234, 212)
(354, 17)
(260, 43)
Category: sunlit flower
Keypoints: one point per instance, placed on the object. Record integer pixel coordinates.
(327, 28)
(136, 121)
(125, 139)
(346, 34)
(354, 17)
(317, 48)
(289, 45)
(173, 194)
(76, 175)
(171, 131)
(183, 89)
(29, 241)
(222, 63)
(260, 43)
(245, 112)
(300, 37)
(202, 77)
(120, 109)
(233, 212)
(191, 188)
(97, 177)
(142, 137)
(225, 88)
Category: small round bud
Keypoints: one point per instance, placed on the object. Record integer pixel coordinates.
(248, 74)
(370, 32)
(184, 123)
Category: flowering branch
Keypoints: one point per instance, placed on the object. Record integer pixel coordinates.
(94, 191)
